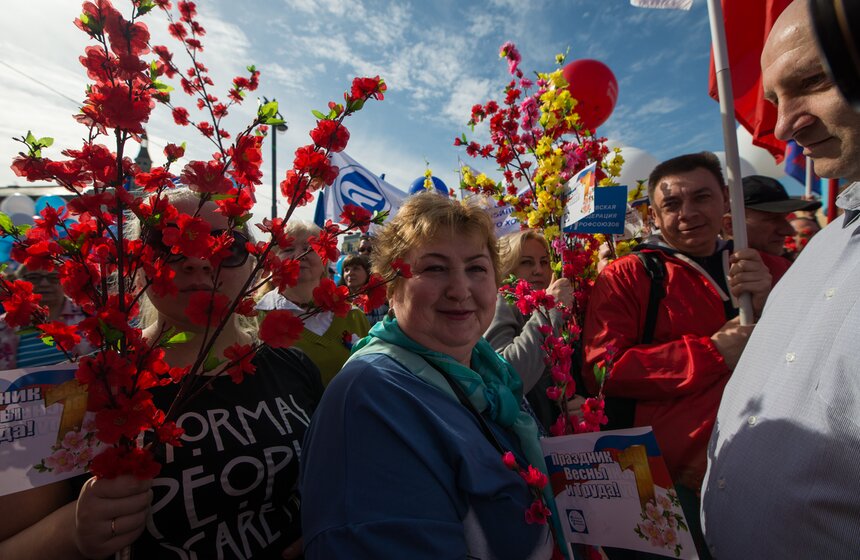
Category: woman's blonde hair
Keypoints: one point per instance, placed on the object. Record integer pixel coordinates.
(148, 314)
(511, 248)
(422, 218)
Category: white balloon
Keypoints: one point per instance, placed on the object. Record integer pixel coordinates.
(638, 164)
(760, 159)
(746, 167)
(22, 219)
(18, 203)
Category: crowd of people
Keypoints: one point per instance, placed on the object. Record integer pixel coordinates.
(380, 435)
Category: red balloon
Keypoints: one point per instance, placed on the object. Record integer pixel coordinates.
(593, 84)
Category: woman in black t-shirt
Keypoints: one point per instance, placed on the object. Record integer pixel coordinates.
(230, 490)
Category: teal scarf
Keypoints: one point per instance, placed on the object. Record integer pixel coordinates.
(491, 384)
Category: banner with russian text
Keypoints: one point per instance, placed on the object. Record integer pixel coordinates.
(46, 434)
(613, 489)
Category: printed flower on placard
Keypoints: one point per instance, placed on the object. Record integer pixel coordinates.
(661, 519)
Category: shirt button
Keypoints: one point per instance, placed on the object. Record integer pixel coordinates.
(830, 292)
(721, 484)
(752, 420)
(790, 357)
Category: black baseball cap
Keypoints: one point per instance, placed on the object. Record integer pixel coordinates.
(768, 195)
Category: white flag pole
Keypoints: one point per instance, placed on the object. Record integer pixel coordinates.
(733, 162)
(808, 177)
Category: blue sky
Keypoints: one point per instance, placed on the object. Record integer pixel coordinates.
(438, 59)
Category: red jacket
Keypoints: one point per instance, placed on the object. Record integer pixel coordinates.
(678, 379)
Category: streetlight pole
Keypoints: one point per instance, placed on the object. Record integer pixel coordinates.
(275, 130)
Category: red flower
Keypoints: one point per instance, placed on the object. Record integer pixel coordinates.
(206, 129)
(207, 308)
(285, 274)
(330, 135)
(356, 216)
(32, 169)
(243, 355)
(238, 204)
(189, 237)
(170, 433)
(280, 328)
(206, 177)
(331, 297)
(180, 116)
(133, 415)
(537, 513)
(98, 62)
(126, 37)
(315, 164)
(325, 245)
(373, 294)
(155, 179)
(509, 460)
(401, 268)
(20, 303)
(365, 88)
(534, 477)
(297, 191)
(187, 10)
(178, 30)
(65, 336)
(116, 106)
(115, 461)
(174, 152)
(247, 158)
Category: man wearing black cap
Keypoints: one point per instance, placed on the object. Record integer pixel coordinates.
(767, 209)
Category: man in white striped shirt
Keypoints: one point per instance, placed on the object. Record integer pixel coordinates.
(784, 458)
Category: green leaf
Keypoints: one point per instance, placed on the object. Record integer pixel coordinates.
(251, 68)
(599, 374)
(144, 7)
(211, 362)
(241, 220)
(6, 223)
(30, 139)
(274, 121)
(267, 110)
(221, 196)
(463, 138)
(179, 338)
(319, 115)
(45, 141)
(162, 87)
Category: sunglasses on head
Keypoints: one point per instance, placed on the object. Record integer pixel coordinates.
(238, 252)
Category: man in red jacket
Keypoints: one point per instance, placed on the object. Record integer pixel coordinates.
(677, 379)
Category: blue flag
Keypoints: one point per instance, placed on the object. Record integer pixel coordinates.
(355, 185)
(795, 165)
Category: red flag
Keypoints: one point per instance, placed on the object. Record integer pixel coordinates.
(748, 24)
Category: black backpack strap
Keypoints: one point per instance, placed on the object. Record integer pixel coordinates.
(656, 269)
(621, 411)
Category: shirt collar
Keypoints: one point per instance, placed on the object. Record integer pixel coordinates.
(849, 200)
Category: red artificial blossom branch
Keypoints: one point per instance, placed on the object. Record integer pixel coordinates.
(105, 272)
(538, 142)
